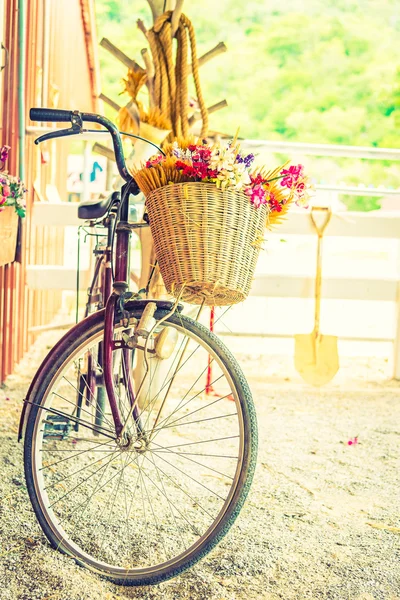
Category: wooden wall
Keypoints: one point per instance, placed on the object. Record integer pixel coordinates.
(59, 73)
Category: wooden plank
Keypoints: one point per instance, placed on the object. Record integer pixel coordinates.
(293, 148)
(334, 288)
(274, 335)
(396, 349)
(55, 214)
(55, 277)
(376, 224)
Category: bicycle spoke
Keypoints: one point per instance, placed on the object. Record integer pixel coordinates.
(170, 506)
(76, 453)
(194, 422)
(195, 502)
(198, 409)
(174, 506)
(231, 437)
(196, 462)
(95, 399)
(73, 419)
(193, 479)
(180, 406)
(96, 488)
(52, 485)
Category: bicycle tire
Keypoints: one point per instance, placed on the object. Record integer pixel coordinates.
(153, 575)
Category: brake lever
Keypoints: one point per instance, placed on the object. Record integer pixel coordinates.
(77, 127)
(56, 134)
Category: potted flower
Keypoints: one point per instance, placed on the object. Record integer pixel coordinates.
(12, 206)
(208, 208)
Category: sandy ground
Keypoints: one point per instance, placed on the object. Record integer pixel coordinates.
(321, 520)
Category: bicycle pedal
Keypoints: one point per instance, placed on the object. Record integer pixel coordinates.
(57, 426)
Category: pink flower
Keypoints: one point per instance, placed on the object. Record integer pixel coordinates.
(6, 191)
(300, 189)
(154, 160)
(291, 176)
(2, 200)
(257, 195)
(201, 154)
(352, 441)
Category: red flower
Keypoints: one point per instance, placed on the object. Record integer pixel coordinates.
(274, 204)
(180, 164)
(258, 180)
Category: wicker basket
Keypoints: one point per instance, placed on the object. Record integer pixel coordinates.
(8, 235)
(206, 240)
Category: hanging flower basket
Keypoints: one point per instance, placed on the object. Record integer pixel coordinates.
(208, 210)
(8, 235)
(12, 206)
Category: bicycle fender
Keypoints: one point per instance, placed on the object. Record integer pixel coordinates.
(50, 357)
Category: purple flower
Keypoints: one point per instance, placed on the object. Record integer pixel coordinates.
(4, 150)
(247, 160)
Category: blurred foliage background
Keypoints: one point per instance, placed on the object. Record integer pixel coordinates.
(301, 70)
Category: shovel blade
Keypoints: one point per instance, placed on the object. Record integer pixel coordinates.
(316, 358)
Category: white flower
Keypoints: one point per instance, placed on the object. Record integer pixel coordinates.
(222, 159)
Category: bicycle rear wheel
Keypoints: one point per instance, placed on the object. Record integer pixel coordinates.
(142, 513)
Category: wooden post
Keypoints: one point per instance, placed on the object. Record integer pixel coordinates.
(87, 159)
(197, 116)
(396, 357)
(176, 15)
(119, 55)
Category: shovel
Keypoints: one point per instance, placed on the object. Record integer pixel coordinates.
(316, 355)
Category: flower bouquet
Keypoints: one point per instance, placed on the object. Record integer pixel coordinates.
(12, 206)
(12, 190)
(208, 208)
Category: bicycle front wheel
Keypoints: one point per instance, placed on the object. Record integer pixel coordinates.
(143, 512)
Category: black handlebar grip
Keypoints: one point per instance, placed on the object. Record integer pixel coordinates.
(50, 114)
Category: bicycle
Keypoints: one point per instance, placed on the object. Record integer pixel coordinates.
(141, 483)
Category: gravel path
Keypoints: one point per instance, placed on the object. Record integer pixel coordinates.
(321, 521)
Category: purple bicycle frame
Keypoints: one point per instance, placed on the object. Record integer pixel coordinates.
(119, 286)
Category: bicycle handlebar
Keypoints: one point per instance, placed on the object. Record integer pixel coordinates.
(76, 118)
(50, 114)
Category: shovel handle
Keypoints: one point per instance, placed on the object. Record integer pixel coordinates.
(318, 276)
(321, 228)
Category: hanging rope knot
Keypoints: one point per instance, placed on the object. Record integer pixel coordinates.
(171, 82)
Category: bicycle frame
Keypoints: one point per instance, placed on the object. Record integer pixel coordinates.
(114, 292)
(119, 288)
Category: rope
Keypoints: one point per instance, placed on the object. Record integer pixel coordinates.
(171, 83)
